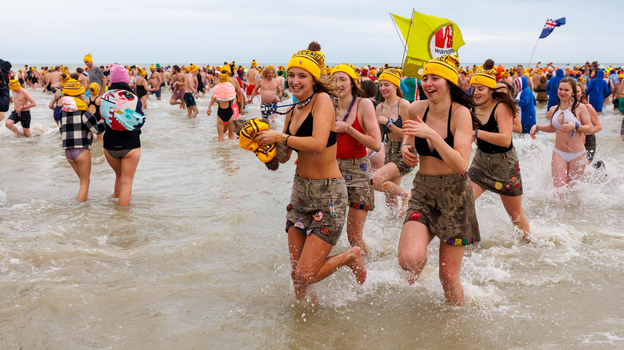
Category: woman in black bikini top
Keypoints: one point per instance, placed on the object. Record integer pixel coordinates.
(317, 210)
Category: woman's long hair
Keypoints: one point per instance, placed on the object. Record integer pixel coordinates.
(572, 83)
(502, 94)
(460, 96)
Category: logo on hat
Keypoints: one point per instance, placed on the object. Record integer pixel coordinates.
(441, 43)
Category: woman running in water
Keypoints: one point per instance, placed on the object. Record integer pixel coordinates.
(442, 201)
(94, 102)
(122, 141)
(389, 112)
(316, 213)
(224, 93)
(495, 166)
(357, 128)
(569, 119)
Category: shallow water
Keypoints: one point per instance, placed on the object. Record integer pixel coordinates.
(200, 260)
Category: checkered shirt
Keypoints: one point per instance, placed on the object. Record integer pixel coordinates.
(77, 128)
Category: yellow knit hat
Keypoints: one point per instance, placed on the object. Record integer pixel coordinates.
(20, 70)
(14, 84)
(95, 89)
(621, 76)
(88, 58)
(152, 67)
(506, 74)
(254, 64)
(224, 78)
(581, 80)
(347, 69)
(73, 88)
(193, 68)
(311, 61)
(225, 68)
(65, 80)
(443, 66)
(245, 141)
(392, 75)
(485, 78)
(142, 71)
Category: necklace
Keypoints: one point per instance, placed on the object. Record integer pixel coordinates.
(348, 110)
(305, 102)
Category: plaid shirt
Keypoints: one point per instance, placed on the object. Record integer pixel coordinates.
(77, 128)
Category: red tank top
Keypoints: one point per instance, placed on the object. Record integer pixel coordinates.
(348, 147)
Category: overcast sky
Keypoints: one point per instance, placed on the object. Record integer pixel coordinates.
(200, 31)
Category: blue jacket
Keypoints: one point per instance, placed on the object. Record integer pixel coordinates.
(598, 90)
(526, 101)
(552, 88)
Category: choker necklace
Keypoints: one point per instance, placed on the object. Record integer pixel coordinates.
(305, 102)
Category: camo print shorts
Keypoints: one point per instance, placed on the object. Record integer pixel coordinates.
(499, 172)
(393, 155)
(318, 207)
(445, 204)
(359, 179)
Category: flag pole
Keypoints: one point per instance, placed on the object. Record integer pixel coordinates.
(397, 29)
(531, 59)
(407, 39)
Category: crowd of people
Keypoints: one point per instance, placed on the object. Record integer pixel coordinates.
(355, 131)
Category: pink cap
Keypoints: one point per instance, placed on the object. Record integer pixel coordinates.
(119, 74)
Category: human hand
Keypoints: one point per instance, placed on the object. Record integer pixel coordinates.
(416, 128)
(533, 130)
(382, 120)
(408, 157)
(567, 126)
(267, 137)
(209, 111)
(341, 127)
(19, 108)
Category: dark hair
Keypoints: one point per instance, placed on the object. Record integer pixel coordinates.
(460, 96)
(74, 76)
(510, 88)
(314, 46)
(79, 70)
(489, 64)
(176, 68)
(369, 89)
(572, 83)
(506, 98)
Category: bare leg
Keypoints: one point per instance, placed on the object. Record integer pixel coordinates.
(559, 171)
(83, 165)
(450, 267)
(221, 129)
(26, 132)
(513, 206)
(413, 249)
(129, 164)
(230, 129)
(384, 181)
(355, 228)
(477, 190)
(576, 169)
(10, 125)
(115, 164)
(194, 111)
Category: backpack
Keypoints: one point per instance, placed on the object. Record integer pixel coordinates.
(120, 109)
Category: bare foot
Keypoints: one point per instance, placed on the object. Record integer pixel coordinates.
(527, 238)
(357, 266)
(413, 277)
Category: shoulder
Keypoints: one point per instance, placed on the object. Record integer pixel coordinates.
(502, 107)
(366, 103)
(404, 103)
(419, 107)
(581, 107)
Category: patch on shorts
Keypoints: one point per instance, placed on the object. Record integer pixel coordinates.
(518, 167)
(324, 231)
(498, 185)
(458, 242)
(348, 177)
(508, 186)
(513, 179)
(371, 182)
(289, 207)
(518, 185)
(415, 216)
(318, 216)
(363, 166)
(299, 225)
(358, 206)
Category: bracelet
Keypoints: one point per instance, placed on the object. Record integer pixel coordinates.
(476, 131)
(285, 139)
(389, 122)
(347, 129)
(575, 128)
(405, 144)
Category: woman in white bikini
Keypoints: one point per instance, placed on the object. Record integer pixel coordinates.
(569, 119)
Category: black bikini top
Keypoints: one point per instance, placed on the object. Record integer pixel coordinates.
(305, 130)
(398, 122)
(491, 126)
(422, 146)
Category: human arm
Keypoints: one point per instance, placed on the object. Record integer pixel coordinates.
(91, 122)
(583, 116)
(502, 138)
(595, 121)
(255, 90)
(544, 127)
(31, 103)
(517, 125)
(212, 101)
(53, 101)
(324, 115)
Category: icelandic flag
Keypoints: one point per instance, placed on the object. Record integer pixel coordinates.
(550, 26)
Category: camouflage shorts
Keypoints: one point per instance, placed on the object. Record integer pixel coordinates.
(318, 207)
(499, 172)
(393, 155)
(359, 179)
(445, 204)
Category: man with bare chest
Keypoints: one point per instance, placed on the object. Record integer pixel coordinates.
(155, 81)
(22, 102)
(177, 85)
(269, 87)
(252, 80)
(191, 90)
(53, 80)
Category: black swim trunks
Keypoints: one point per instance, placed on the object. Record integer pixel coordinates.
(189, 99)
(22, 117)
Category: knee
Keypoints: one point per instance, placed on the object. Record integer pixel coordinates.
(448, 277)
(302, 276)
(410, 261)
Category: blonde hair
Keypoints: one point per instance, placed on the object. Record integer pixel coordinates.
(266, 69)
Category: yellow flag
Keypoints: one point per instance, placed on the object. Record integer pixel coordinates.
(427, 37)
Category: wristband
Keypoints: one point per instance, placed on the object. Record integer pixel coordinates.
(405, 144)
(389, 122)
(476, 131)
(285, 139)
(575, 128)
